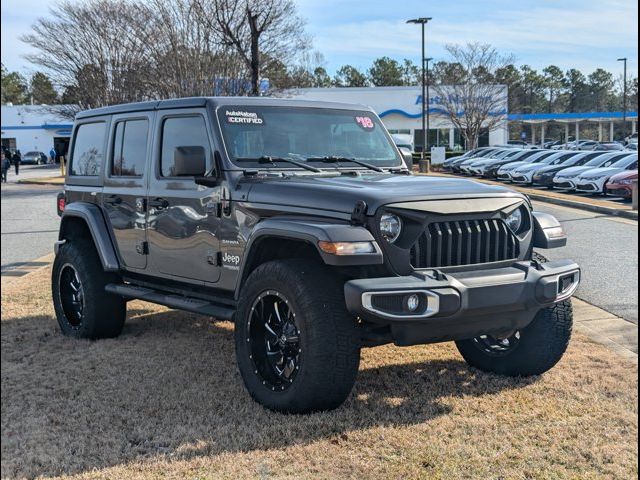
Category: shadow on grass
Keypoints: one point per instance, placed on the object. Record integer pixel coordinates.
(169, 387)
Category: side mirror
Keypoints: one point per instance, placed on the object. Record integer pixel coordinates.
(189, 161)
(407, 156)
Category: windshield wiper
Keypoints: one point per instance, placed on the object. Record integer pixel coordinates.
(273, 160)
(332, 159)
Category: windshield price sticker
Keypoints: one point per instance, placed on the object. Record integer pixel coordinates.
(365, 122)
(240, 116)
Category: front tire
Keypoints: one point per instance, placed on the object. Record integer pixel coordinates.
(530, 351)
(297, 346)
(83, 308)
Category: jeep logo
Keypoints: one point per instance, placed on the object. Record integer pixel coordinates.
(232, 259)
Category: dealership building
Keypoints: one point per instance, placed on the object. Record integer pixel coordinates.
(37, 128)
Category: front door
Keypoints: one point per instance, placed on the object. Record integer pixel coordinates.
(183, 216)
(125, 186)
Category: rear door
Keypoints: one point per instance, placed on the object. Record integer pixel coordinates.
(125, 186)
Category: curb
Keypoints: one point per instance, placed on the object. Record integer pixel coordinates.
(36, 181)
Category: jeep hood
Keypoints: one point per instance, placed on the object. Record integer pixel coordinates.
(340, 194)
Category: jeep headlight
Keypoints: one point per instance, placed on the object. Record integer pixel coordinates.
(390, 227)
(514, 220)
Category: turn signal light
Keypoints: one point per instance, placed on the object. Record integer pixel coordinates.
(346, 248)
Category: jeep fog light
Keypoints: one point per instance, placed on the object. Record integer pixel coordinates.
(347, 248)
(390, 227)
(412, 302)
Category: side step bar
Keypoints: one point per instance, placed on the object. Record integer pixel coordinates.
(189, 304)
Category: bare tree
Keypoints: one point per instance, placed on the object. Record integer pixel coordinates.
(261, 31)
(472, 99)
(95, 49)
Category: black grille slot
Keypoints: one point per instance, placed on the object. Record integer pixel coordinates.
(464, 242)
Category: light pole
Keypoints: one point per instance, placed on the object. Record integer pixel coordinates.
(624, 99)
(426, 61)
(424, 166)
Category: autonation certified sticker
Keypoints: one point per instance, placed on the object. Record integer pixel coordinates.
(240, 116)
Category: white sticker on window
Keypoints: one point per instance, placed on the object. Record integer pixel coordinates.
(243, 117)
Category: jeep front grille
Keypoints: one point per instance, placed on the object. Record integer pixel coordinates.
(464, 242)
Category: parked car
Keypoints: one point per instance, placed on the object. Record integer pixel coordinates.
(632, 146)
(478, 167)
(505, 171)
(566, 179)
(35, 158)
(524, 174)
(633, 138)
(544, 176)
(586, 145)
(621, 184)
(518, 143)
(499, 153)
(456, 165)
(593, 181)
(609, 146)
(272, 230)
(524, 156)
(465, 156)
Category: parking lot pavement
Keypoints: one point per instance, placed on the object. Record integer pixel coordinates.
(28, 172)
(29, 225)
(606, 248)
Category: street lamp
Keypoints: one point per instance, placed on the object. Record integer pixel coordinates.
(423, 160)
(426, 61)
(624, 99)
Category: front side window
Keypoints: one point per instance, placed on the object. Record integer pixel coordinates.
(130, 148)
(304, 134)
(182, 134)
(88, 149)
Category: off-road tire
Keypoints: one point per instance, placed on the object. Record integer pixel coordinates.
(541, 345)
(103, 314)
(328, 337)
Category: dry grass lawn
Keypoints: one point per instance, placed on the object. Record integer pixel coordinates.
(165, 400)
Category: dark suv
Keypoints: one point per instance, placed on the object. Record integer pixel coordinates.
(299, 222)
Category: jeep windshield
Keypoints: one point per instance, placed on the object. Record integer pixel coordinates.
(317, 136)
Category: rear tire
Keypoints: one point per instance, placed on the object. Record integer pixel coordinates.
(297, 346)
(531, 351)
(83, 308)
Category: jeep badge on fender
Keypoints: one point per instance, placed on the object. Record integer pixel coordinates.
(299, 222)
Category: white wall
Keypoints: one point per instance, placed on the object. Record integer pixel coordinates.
(33, 126)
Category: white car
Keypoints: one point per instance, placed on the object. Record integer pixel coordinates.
(505, 171)
(478, 167)
(524, 174)
(593, 181)
(465, 166)
(566, 179)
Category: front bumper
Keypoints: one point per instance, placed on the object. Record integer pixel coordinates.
(619, 190)
(544, 180)
(462, 305)
(590, 187)
(521, 177)
(563, 184)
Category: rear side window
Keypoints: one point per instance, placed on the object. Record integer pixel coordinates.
(130, 148)
(88, 150)
(181, 132)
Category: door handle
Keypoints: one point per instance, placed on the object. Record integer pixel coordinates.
(113, 200)
(157, 203)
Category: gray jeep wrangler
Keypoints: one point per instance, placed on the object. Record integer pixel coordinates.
(300, 222)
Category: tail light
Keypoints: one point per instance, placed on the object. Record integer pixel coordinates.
(61, 203)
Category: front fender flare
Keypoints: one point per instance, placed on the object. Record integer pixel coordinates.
(92, 216)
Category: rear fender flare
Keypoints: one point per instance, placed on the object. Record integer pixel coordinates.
(92, 216)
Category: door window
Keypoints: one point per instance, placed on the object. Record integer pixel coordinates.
(88, 149)
(182, 132)
(130, 148)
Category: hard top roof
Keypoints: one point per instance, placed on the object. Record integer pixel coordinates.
(193, 102)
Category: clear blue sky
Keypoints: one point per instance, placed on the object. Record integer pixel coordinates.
(584, 34)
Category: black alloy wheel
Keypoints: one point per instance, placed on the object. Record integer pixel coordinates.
(274, 340)
(71, 296)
